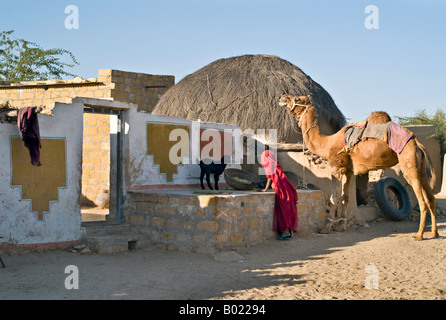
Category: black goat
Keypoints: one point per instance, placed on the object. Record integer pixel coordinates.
(209, 167)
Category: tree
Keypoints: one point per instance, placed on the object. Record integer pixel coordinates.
(21, 60)
(438, 120)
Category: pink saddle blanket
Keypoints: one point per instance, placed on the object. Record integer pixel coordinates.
(395, 135)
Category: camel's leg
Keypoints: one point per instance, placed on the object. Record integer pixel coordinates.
(345, 186)
(410, 173)
(430, 200)
(413, 168)
(423, 210)
(428, 194)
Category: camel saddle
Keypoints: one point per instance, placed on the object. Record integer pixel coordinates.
(393, 134)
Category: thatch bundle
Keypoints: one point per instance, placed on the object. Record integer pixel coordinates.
(245, 91)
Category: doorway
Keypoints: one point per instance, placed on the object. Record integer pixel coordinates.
(100, 192)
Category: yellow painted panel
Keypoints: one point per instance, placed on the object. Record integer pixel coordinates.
(39, 184)
(159, 146)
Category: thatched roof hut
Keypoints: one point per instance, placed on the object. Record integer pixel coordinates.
(244, 91)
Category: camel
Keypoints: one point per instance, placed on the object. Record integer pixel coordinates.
(369, 154)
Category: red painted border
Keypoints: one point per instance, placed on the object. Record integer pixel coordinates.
(14, 248)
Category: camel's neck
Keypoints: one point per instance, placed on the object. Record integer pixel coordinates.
(314, 140)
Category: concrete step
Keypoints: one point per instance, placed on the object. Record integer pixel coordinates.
(117, 238)
(108, 228)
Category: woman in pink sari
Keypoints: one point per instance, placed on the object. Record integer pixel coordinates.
(285, 207)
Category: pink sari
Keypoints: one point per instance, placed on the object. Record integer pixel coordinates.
(285, 208)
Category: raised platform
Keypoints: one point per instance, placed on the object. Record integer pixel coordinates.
(206, 221)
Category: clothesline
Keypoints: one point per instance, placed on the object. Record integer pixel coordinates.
(28, 125)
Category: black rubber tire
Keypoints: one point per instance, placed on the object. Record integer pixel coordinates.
(394, 214)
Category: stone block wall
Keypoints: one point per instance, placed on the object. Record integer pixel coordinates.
(201, 223)
(311, 210)
(46, 93)
(142, 89)
(145, 90)
(209, 223)
(95, 156)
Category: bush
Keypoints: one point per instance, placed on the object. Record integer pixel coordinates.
(21, 60)
(438, 120)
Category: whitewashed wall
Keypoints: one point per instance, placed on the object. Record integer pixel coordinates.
(141, 169)
(18, 225)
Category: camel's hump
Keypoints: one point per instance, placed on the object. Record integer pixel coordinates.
(379, 117)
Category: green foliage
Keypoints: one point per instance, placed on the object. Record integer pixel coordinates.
(21, 60)
(438, 119)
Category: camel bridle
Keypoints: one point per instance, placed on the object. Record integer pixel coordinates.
(299, 105)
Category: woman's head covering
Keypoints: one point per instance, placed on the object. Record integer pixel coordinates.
(269, 162)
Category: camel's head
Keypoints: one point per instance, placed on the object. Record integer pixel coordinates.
(296, 105)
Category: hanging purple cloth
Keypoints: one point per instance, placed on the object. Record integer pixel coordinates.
(29, 127)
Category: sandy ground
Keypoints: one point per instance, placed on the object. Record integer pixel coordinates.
(309, 266)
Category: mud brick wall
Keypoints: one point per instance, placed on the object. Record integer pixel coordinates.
(209, 223)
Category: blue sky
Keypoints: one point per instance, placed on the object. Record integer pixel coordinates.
(399, 68)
